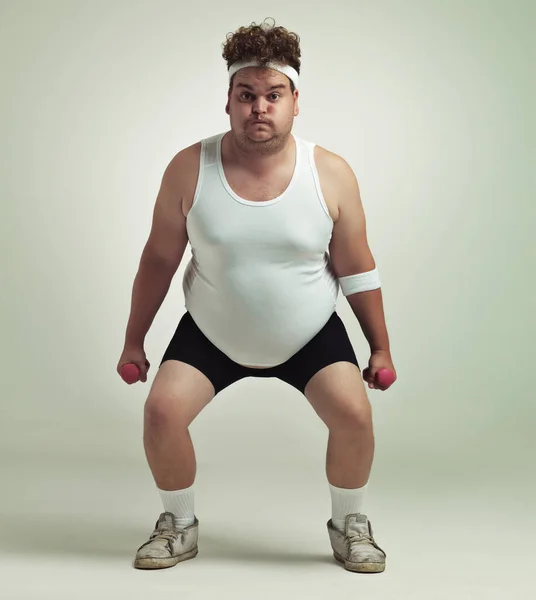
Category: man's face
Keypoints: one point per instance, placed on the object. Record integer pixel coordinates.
(261, 107)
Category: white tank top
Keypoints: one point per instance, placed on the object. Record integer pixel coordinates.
(259, 284)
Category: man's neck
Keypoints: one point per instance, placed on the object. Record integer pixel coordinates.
(261, 163)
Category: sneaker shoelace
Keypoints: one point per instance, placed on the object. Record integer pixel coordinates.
(364, 538)
(166, 534)
(360, 537)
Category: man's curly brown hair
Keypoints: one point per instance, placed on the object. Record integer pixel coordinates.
(264, 43)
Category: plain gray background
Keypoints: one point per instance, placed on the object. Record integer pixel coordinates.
(432, 104)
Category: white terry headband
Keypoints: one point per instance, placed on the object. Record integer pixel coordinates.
(287, 70)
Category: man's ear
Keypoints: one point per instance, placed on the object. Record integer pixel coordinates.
(296, 105)
(228, 101)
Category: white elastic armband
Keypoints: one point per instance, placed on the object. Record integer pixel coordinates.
(363, 282)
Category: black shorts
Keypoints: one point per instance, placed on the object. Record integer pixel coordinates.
(331, 344)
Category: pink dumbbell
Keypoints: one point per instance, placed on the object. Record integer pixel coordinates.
(130, 373)
(385, 377)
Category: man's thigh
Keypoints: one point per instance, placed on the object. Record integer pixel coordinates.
(190, 346)
(338, 395)
(179, 392)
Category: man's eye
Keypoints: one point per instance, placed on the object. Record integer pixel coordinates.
(276, 96)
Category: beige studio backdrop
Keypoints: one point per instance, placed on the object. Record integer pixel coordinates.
(431, 103)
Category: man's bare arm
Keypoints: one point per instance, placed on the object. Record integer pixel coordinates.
(350, 254)
(162, 253)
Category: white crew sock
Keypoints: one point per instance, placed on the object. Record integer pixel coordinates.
(181, 504)
(344, 502)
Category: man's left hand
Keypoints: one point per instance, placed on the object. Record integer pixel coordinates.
(380, 359)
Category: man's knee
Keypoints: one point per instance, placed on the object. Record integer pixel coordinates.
(178, 394)
(159, 412)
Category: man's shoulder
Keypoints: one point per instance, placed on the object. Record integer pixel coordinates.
(331, 163)
(185, 161)
(190, 154)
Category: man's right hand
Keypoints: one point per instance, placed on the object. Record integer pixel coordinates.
(135, 355)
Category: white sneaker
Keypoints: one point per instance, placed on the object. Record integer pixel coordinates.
(356, 548)
(167, 545)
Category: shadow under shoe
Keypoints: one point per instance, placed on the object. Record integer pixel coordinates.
(356, 548)
(167, 545)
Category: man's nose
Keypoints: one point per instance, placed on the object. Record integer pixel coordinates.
(259, 106)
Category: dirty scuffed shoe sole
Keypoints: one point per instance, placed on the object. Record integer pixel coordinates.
(164, 563)
(370, 567)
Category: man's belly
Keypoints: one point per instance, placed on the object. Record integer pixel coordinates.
(260, 340)
(257, 318)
